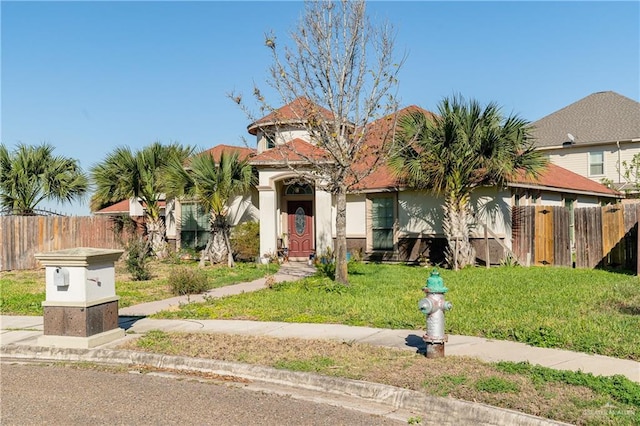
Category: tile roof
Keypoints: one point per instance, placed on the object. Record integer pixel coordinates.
(118, 208)
(295, 112)
(122, 207)
(600, 117)
(294, 151)
(559, 178)
(380, 130)
(216, 151)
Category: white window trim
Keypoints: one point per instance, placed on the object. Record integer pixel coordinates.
(589, 163)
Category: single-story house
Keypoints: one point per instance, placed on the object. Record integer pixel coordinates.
(385, 221)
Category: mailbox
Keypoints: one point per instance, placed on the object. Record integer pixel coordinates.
(81, 306)
(61, 277)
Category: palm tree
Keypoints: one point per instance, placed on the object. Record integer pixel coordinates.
(465, 147)
(126, 174)
(213, 184)
(32, 174)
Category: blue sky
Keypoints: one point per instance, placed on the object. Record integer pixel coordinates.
(89, 76)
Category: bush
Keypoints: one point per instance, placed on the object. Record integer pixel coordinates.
(184, 280)
(138, 252)
(245, 241)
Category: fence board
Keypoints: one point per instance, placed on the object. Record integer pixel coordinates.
(613, 234)
(543, 239)
(561, 237)
(588, 232)
(21, 237)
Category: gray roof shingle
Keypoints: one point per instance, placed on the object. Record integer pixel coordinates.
(600, 117)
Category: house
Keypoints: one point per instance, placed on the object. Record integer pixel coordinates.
(385, 221)
(593, 137)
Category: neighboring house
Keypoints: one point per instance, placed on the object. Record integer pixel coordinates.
(385, 221)
(593, 137)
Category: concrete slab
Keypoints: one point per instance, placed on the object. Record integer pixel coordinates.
(21, 322)
(324, 331)
(19, 337)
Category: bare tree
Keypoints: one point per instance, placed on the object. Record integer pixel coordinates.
(340, 76)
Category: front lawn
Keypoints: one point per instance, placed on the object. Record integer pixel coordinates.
(582, 310)
(22, 292)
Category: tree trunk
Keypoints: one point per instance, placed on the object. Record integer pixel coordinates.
(341, 237)
(227, 240)
(218, 245)
(155, 235)
(459, 252)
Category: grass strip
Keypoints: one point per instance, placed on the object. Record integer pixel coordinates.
(577, 398)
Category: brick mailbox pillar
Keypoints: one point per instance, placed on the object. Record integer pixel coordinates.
(81, 306)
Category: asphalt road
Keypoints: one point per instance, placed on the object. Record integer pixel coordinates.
(59, 395)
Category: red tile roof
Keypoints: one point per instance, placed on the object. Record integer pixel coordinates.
(298, 111)
(294, 151)
(122, 207)
(118, 208)
(560, 178)
(379, 131)
(216, 151)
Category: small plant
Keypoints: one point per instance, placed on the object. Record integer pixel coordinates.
(245, 241)
(509, 261)
(185, 280)
(270, 281)
(138, 252)
(414, 420)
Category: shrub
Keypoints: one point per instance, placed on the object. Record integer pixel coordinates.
(184, 280)
(245, 241)
(138, 252)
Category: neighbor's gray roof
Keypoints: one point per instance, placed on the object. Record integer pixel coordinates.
(600, 117)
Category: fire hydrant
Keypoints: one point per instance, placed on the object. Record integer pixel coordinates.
(433, 306)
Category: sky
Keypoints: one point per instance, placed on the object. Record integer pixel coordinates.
(89, 76)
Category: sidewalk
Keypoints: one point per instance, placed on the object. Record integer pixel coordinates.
(24, 331)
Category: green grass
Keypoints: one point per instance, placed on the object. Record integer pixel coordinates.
(590, 311)
(22, 292)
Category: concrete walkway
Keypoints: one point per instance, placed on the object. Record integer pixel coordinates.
(25, 330)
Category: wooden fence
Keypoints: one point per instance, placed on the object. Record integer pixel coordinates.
(23, 236)
(603, 236)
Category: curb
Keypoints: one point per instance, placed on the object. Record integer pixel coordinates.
(436, 410)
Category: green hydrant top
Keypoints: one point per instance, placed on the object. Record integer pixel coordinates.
(435, 283)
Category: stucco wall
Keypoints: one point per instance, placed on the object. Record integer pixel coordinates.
(356, 211)
(421, 214)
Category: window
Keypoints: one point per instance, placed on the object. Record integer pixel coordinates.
(596, 163)
(194, 227)
(382, 220)
(271, 140)
(299, 189)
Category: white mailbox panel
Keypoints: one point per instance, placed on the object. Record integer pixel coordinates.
(60, 277)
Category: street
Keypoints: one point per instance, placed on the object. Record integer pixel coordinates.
(58, 395)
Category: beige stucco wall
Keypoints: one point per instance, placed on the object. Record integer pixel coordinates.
(356, 212)
(421, 214)
(285, 134)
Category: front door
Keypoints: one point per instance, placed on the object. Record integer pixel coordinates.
(300, 224)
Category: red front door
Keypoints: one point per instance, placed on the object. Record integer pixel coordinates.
(300, 218)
